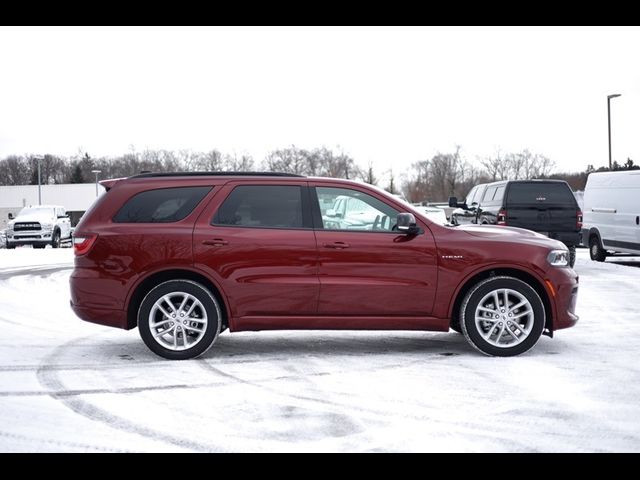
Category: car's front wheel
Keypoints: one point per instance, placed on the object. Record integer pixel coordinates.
(179, 319)
(502, 316)
(55, 241)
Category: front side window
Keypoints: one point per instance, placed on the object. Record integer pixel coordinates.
(346, 209)
(266, 206)
(163, 205)
(470, 197)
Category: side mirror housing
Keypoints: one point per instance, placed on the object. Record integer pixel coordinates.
(10, 216)
(453, 202)
(406, 223)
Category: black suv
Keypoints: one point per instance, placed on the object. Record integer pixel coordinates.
(544, 206)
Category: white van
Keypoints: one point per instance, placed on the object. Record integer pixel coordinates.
(612, 214)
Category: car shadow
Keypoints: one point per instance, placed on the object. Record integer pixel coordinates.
(336, 344)
(626, 263)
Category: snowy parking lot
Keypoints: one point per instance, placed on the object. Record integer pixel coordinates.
(66, 385)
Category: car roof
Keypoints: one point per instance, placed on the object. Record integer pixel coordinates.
(215, 174)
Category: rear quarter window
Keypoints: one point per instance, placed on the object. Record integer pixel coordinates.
(163, 205)
(537, 193)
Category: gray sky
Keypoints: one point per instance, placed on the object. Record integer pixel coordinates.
(391, 96)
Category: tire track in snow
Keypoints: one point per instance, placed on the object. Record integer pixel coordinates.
(49, 378)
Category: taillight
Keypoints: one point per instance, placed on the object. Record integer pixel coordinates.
(579, 220)
(83, 243)
(502, 217)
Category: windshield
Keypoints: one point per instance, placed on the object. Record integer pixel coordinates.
(40, 210)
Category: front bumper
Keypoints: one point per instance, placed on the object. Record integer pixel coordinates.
(39, 237)
(562, 284)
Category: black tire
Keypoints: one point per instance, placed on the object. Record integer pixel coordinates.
(211, 329)
(10, 247)
(39, 246)
(455, 326)
(596, 250)
(55, 240)
(472, 300)
(572, 255)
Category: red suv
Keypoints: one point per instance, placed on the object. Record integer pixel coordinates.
(185, 256)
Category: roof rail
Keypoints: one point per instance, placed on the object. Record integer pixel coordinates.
(206, 174)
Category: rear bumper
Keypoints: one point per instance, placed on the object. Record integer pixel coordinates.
(109, 318)
(94, 299)
(570, 239)
(565, 297)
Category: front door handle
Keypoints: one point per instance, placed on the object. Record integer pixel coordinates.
(337, 245)
(215, 242)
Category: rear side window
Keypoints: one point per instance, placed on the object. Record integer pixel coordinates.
(266, 206)
(488, 195)
(163, 205)
(499, 195)
(541, 193)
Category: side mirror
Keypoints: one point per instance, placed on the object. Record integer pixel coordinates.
(453, 202)
(330, 213)
(10, 216)
(406, 223)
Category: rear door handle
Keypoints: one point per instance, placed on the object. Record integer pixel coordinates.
(337, 245)
(215, 242)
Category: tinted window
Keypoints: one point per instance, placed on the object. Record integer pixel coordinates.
(488, 194)
(346, 209)
(546, 193)
(499, 195)
(163, 205)
(262, 206)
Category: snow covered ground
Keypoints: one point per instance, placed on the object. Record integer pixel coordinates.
(66, 385)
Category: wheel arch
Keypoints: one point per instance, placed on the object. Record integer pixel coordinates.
(594, 231)
(535, 282)
(146, 284)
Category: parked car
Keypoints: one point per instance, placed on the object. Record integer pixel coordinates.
(3, 239)
(544, 206)
(435, 214)
(612, 214)
(186, 256)
(39, 225)
(467, 212)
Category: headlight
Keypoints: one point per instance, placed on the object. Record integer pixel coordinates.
(46, 226)
(558, 258)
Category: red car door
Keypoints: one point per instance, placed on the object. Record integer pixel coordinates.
(256, 240)
(366, 268)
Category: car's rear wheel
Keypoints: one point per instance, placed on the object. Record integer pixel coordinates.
(502, 316)
(179, 319)
(572, 255)
(596, 250)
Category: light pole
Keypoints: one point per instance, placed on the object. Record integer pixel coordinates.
(97, 172)
(609, 97)
(39, 182)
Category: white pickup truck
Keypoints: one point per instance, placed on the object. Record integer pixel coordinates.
(39, 226)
